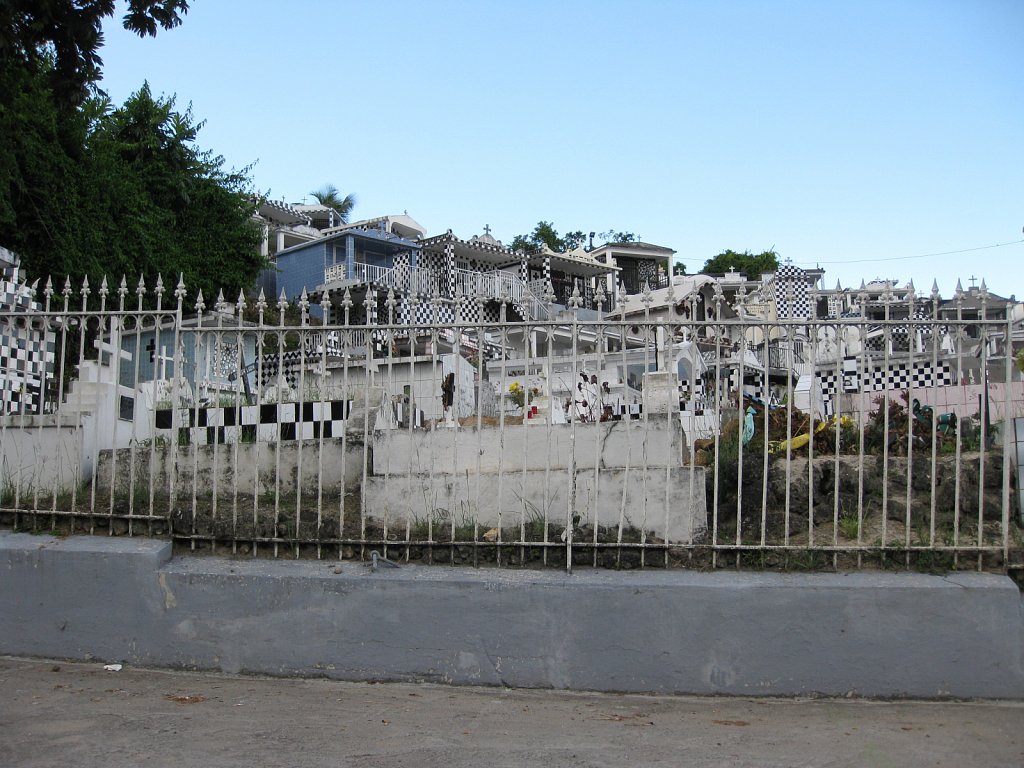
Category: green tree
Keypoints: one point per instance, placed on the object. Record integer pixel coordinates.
(87, 190)
(156, 202)
(545, 234)
(330, 196)
(68, 34)
(751, 264)
(142, 198)
(40, 156)
(614, 236)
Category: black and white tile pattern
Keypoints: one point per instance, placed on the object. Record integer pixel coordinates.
(259, 423)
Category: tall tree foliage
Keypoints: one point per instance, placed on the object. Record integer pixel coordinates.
(545, 234)
(329, 195)
(751, 264)
(163, 203)
(86, 189)
(68, 35)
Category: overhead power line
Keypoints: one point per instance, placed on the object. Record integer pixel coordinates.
(895, 258)
(919, 256)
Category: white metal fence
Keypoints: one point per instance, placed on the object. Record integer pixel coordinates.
(611, 441)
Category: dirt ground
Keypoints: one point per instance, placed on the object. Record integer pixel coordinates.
(59, 713)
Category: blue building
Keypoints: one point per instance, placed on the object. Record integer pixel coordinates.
(366, 249)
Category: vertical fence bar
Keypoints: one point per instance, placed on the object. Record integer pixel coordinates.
(132, 445)
(570, 514)
(115, 349)
(959, 297)
(159, 371)
(886, 369)
(985, 419)
(718, 331)
(282, 307)
(320, 420)
(600, 334)
(301, 398)
(199, 345)
(178, 365)
(932, 479)
(481, 353)
(386, 440)
(503, 388)
(60, 369)
(1008, 428)
(864, 398)
(215, 406)
(909, 500)
(258, 527)
(549, 333)
(369, 309)
(349, 345)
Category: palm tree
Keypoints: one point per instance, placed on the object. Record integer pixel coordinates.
(329, 195)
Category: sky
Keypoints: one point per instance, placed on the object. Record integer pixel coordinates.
(872, 139)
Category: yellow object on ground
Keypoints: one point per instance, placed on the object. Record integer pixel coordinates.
(799, 441)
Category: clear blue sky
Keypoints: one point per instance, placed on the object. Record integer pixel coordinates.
(835, 132)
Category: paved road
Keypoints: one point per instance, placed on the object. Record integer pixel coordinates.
(62, 714)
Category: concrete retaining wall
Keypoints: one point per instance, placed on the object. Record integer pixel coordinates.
(40, 453)
(238, 468)
(668, 502)
(873, 634)
(447, 473)
(656, 442)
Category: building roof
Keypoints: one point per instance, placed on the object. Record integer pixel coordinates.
(401, 224)
(281, 213)
(378, 235)
(584, 266)
(635, 245)
(477, 248)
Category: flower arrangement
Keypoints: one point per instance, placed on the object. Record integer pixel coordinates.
(521, 396)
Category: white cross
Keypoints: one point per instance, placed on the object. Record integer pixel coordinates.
(110, 349)
(162, 360)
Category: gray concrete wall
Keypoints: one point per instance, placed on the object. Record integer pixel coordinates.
(654, 442)
(668, 502)
(294, 464)
(872, 634)
(37, 454)
(524, 471)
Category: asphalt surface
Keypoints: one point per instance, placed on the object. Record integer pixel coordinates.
(55, 713)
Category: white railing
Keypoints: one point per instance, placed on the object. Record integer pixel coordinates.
(492, 285)
(405, 278)
(515, 443)
(335, 273)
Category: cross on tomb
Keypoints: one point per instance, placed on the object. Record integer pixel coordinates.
(151, 348)
(972, 280)
(487, 229)
(109, 349)
(164, 359)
